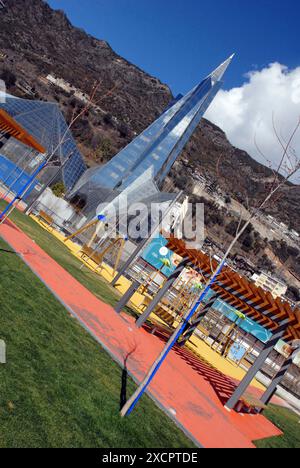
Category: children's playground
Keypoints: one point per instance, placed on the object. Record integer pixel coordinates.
(195, 381)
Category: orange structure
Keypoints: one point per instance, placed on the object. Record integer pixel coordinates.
(240, 293)
(10, 127)
(274, 314)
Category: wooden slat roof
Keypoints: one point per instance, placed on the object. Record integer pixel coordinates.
(240, 293)
(10, 126)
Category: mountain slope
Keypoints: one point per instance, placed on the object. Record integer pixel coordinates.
(36, 41)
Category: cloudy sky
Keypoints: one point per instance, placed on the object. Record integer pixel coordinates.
(181, 41)
(248, 113)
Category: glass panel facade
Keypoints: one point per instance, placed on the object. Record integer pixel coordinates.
(45, 122)
(158, 147)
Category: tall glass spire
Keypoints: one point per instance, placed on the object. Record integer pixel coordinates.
(160, 144)
(45, 122)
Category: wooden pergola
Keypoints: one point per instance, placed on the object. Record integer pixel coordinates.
(275, 315)
(240, 293)
(9, 127)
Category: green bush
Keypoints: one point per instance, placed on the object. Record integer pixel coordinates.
(59, 189)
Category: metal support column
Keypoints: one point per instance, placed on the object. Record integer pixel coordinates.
(142, 245)
(127, 296)
(194, 325)
(256, 367)
(162, 292)
(271, 390)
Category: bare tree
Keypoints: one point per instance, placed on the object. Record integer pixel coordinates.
(290, 168)
(286, 165)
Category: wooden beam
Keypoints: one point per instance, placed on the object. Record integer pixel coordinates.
(9, 126)
(242, 294)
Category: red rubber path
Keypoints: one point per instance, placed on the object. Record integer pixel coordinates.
(191, 389)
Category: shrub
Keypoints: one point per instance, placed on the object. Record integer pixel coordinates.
(108, 119)
(123, 130)
(59, 189)
(9, 78)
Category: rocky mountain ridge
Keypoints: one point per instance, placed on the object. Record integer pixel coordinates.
(36, 41)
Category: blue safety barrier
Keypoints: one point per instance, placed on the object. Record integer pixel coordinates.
(13, 176)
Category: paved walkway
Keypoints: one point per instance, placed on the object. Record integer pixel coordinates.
(196, 344)
(182, 388)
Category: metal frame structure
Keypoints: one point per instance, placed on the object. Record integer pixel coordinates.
(237, 291)
(275, 315)
(44, 122)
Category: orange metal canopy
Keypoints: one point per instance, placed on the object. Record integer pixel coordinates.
(235, 289)
(10, 126)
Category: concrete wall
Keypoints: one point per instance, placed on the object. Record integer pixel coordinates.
(60, 210)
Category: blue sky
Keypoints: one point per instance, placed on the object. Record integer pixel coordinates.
(180, 41)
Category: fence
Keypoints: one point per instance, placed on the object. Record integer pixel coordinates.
(13, 177)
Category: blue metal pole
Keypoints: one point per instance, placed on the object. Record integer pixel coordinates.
(129, 407)
(23, 190)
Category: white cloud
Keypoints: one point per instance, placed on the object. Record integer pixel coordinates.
(246, 113)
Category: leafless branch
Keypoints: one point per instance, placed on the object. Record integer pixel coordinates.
(277, 185)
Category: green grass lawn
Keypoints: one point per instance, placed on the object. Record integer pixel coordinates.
(59, 388)
(288, 422)
(61, 254)
(284, 419)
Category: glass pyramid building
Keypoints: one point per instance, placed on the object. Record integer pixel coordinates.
(157, 147)
(45, 122)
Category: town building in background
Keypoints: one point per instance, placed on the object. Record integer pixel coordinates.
(275, 286)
